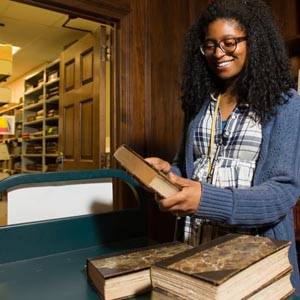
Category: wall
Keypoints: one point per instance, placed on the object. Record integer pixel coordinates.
(31, 204)
(287, 15)
(17, 86)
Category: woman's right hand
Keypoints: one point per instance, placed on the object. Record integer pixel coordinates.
(159, 164)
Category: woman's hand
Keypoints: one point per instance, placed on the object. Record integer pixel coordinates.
(159, 164)
(186, 201)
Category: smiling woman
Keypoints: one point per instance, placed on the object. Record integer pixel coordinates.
(238, 164)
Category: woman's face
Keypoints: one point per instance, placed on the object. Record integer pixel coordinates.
(225, 64)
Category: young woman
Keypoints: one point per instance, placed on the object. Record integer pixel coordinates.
(239, 162)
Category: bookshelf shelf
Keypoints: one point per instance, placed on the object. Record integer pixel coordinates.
(54, 136)
(34, 90)
(52, 100)
(33, 122)
(52, 81)
(34, 106)
(9, 108)
(55, 118)
(38, 138)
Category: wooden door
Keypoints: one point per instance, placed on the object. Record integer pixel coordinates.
(82, 130)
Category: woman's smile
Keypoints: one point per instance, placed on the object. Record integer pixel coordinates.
(224, 64)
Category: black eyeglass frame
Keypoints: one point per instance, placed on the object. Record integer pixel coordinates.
(218, 44)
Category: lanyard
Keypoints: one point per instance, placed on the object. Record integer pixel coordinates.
(213, 150)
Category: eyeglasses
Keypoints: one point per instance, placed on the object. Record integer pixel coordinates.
(228, 45)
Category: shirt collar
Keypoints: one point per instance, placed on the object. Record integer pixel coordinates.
(241, 106)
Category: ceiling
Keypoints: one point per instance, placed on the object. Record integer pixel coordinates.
(38, 32)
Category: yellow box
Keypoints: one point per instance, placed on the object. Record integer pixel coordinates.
(6, 52)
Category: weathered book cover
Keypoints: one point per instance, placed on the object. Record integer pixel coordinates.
(127, 273)
(224, 262)
(144, 172)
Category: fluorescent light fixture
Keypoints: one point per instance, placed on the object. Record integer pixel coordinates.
(15, 49)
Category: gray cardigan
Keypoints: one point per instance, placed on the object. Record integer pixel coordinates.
(276, 184)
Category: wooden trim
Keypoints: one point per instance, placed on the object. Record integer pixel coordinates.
(3, 209)
(89, 9)
(148, 90)
(101, 86)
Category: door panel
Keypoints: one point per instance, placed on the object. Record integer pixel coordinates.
(69, 82)
(80, 97)
(87, 66)
(86, 124)
(69, 136)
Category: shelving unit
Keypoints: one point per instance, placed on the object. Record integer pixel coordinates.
(13, 142)
(40, 120)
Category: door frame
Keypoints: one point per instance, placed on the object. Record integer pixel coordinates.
(117, 14)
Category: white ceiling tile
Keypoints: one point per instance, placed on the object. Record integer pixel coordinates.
(31, 14)
(29, 28)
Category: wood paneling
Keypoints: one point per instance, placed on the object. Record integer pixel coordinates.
(86, 130)
(3, 210)
(286, 14)
(164, 116)
(86, 66)
(69, 82)
(69, 136)
(91, 9)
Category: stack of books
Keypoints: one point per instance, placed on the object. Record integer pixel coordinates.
(231, 267)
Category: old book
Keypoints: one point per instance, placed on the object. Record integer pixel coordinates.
(144, 172)
(279, 288)
(127, 274)
(231, 267)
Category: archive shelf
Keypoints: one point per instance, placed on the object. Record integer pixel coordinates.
(40, 120)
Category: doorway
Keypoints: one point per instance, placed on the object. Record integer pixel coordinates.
(61, 82)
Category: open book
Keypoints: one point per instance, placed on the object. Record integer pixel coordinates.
(144, 172)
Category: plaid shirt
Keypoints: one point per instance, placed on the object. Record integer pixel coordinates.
(239, 145)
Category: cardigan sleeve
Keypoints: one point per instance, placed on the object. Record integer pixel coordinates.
(278, 185)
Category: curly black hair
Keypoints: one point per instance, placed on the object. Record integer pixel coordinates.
(266, 74)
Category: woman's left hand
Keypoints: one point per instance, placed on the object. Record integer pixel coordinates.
(186, 201)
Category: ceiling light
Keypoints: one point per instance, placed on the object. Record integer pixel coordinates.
(15, 49)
